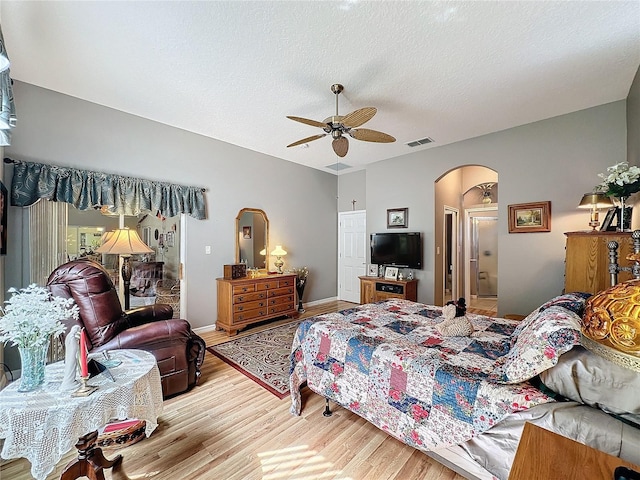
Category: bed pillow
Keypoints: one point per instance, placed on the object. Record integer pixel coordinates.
(537, 344)
(585, 377)
(573, 302)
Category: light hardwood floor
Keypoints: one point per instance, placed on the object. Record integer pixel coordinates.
(229, 428)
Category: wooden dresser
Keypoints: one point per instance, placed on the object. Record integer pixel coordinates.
(587, 260)
(374, 289)
(244, 301)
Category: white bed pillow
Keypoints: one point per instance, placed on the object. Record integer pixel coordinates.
(585, 377)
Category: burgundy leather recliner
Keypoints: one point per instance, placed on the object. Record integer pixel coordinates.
(179, 352)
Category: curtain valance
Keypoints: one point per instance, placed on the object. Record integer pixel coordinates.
(89, 190)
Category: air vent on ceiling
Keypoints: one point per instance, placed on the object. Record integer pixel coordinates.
(422, 141)
(338, 166)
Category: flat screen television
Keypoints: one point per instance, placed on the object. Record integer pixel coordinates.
(397, 249)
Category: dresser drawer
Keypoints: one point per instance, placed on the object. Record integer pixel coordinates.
(243, 307)
(243, 317)
(267, 285)
(280, 308)
(251, 287)
(286, 282)
(249, 297)
(288, 299)
(276, 292)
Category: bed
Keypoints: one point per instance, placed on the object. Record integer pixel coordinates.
(464, 400)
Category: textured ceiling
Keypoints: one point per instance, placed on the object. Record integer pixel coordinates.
(233, 70)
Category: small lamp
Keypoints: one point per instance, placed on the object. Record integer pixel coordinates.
(595, 201)
(279, 252)
(124, 242)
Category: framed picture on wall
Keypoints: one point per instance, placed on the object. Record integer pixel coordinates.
(397, 218)
(373, 270)
(171, 239)
(246, 232)
(530, 217)
(3, 219)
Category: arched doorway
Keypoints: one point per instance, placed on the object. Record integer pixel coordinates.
(466, 200)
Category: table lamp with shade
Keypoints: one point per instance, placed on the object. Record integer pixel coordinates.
(124, 242)
(279, 252)
(595, 201)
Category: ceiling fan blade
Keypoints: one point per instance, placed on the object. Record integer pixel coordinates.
(371, 136)
(359, 117)
(307, 140)
(313, 123)
(340, 146)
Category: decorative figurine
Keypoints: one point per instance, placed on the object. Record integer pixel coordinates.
(71, 359)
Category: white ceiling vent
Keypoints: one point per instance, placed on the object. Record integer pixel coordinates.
(338, 166)
(422, 141)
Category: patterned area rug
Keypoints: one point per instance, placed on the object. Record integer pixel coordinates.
(262, 356)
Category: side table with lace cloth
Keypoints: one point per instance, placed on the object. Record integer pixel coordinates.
(44, 424)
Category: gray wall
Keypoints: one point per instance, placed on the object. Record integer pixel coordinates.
(558, 159)
(58, 129)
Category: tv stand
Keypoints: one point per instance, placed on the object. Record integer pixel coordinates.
(375, 289)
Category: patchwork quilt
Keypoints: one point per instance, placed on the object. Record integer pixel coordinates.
(387, 363)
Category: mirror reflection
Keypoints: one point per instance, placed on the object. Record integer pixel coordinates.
(252, 238)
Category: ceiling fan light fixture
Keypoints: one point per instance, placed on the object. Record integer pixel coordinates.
(340, 146)
(338, 126)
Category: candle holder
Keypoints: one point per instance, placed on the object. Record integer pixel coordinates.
(84, 390)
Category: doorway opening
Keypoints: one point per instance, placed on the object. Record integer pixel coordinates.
(481, 278)
(462, 243)
(451, 254)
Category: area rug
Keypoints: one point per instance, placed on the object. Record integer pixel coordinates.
(262, 356)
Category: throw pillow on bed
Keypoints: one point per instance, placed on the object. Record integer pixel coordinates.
(537, 344)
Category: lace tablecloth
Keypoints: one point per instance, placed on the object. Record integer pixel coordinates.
(45, 424)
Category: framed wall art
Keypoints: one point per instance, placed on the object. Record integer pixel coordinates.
(246, 232)
(530, 217)
(170, 238)
(397, 218)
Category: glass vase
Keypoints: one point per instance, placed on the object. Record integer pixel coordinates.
(300, 284)
(624, 219)
(33, 359)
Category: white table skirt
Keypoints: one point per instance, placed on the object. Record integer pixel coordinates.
(43, 425)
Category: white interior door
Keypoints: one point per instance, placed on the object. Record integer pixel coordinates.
(352, 253)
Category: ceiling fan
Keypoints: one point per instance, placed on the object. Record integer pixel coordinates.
(339, 126)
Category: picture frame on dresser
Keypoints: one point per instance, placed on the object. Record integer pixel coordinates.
(391, 273)
(373, 270)
(607, 223)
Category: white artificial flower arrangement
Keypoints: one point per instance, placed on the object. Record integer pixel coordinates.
(621, 180)
(32, 315)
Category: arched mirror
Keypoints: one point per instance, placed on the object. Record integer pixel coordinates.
(252, 238)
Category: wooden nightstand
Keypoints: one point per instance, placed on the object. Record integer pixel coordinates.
(545, 455)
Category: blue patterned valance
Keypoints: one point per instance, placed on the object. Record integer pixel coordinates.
(85, 190)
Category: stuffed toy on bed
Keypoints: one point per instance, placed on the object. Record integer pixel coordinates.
(456, 323)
